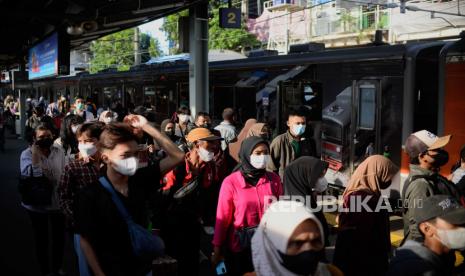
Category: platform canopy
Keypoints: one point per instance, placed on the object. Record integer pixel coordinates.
(24, 23)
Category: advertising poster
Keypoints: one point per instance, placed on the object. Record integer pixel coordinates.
(43, 58)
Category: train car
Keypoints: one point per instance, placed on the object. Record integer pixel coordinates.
(356, 97)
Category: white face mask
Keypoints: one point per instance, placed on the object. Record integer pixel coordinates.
(126, 166)
(183, 118)
(452, 239)
(259, 161)
(205, 155)
(298, 130)
(74, 128)
(321, 185)
(86, 149)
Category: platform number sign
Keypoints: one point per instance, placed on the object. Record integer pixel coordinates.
(230, 18)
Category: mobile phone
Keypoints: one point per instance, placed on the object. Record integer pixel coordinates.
(221, 268)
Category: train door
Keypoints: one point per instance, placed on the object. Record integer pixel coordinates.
(111, 95)
(223, 96)
(366, 115)
(244, 105)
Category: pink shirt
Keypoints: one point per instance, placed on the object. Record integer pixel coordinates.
(242, 205)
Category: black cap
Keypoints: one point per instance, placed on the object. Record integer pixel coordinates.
(440, 206)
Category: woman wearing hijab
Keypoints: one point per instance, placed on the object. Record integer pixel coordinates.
(236, 146)
(241, 204)
(108, 117)
(304, 177)
(259, 129)
(167, 127)
(363, 243)
(289, 242)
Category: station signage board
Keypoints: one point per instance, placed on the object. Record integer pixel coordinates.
(230, 18)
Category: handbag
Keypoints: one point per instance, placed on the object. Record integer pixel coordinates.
(35, 191)
(143, 242)
(245, 236)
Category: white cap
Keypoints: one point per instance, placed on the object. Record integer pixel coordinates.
(423, 140)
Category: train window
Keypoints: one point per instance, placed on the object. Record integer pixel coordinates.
(308, 93)
(332, 130)
(367, 107)
(110, 95)
(149, 96)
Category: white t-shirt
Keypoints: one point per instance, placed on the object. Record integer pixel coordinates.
(457, 175)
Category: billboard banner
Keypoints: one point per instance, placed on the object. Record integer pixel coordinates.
(43, 58)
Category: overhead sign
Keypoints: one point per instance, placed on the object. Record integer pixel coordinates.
(230, 18)
(5, 77)
(49, 58)
(43, 58)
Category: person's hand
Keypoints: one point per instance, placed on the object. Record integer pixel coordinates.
(137, 121)
(35, 149)
(217, 257)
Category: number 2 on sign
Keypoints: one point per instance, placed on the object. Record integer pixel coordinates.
(231, 18)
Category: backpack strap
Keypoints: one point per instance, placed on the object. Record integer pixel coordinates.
(411, 179)
(119, 205)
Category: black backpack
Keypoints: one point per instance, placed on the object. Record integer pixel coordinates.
(441, 186)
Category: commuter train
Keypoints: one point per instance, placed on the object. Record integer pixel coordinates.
(376, 94)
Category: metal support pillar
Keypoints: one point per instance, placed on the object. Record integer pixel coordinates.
(22, 111)
(198, 62)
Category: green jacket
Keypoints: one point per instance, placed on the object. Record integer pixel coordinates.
(282, 152)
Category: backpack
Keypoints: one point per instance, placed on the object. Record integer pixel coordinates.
(441, 186)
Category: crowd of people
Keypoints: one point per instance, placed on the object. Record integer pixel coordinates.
(125, 191)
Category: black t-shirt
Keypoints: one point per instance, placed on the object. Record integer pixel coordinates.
(98, 219)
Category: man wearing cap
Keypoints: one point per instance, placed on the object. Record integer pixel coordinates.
(426, 158)
(441, 222)
(181, 229)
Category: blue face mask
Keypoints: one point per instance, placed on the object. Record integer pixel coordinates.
(298, 130)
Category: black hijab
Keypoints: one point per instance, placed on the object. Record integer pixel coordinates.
(169, 134)
(250, 173)
(301, 175)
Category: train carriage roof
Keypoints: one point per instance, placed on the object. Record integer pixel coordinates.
(342, 55)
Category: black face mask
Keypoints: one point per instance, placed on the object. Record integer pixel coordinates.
(304, 263)
(45, 143)
(440, 159)
(169, 133)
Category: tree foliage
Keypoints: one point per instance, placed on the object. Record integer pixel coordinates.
(117, 50)
(219, 38)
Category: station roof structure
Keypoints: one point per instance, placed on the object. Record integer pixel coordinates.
(26, 22)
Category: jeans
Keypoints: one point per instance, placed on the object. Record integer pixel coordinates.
(82, 262)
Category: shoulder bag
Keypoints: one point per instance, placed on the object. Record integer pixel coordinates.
(35, 191)
(143, 242)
